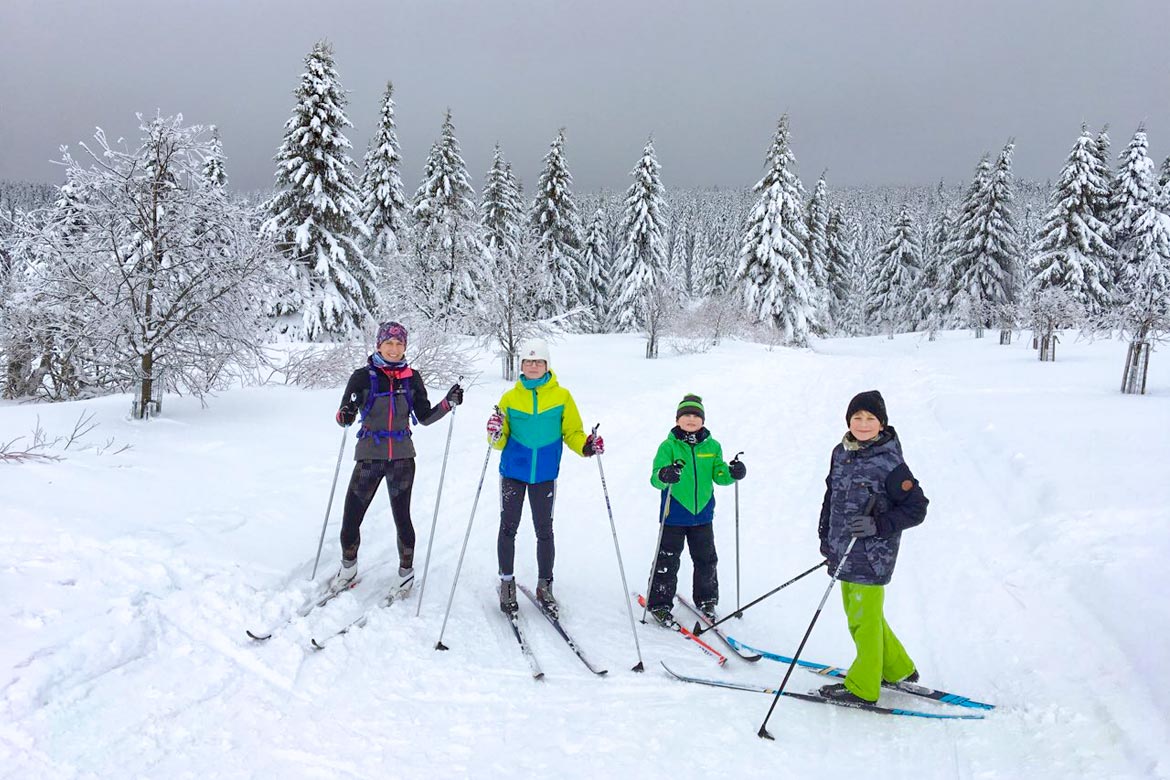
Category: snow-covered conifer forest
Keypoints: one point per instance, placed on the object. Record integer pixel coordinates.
(154, 250)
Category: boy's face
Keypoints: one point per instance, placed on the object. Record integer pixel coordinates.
(690, 422)
(533, 369)
(392, 349)
(864, 426)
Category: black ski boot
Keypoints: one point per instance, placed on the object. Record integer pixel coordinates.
(838, 692)
(508, 603)
(708, 609)
(544, 595)
(663, 617)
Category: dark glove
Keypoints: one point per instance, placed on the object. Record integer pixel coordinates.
(737, 469)
(346, 415)
(455, 395)
(670, 474)
(594, 445)
(862, 526)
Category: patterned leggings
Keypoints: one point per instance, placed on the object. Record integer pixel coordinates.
(367, 474)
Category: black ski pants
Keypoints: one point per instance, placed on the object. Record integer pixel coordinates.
(363, 485)
(700, 540)
(541, 498)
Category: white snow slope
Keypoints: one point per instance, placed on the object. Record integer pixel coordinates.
(1036, 582)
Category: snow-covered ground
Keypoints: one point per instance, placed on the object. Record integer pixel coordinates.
(1036, 583)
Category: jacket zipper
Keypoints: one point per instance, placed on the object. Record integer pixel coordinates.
(695, 471)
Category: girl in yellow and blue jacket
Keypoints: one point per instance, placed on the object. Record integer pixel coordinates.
(536, 418)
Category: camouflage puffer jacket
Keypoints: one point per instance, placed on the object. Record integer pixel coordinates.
(859, 471)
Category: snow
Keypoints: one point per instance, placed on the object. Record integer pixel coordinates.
(128, 580)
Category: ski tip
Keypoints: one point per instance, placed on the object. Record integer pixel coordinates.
(258, 637)
(538, 676)
(316, 645)
(638, 667)
(441, 646)
(602, 672)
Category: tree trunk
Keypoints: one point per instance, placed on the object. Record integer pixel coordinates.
(1137, 366)
(146, 389)
(1005, 336)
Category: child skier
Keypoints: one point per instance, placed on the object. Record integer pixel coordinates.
(535, 419)
(867, 465)
(388, 394)
(686, 467)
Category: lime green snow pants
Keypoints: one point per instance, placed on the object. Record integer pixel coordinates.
(879, 653)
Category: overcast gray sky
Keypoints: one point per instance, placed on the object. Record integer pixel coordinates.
(879, 92)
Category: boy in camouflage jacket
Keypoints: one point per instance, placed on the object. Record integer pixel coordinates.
(867, 466)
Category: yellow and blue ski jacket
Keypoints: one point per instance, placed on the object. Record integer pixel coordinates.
(538, 416)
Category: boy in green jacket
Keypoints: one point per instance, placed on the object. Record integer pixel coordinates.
(686, 468)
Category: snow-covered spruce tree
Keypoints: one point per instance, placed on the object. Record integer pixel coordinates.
(508, 303)
(1145, 312)
(773, 261)
(894, 284)
(597, 262)
(817, 219)
(314, 216)
(159, 279)
(556, 227)
(450, 258)
(384, 208)
(1164, 173)
(1101, 204)
(985, 248)
(838, 269)
(1134, 189)
(213, 170)
(645, 298)
(1073, 251)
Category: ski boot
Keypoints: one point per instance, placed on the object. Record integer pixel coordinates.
(544, 595)
(343, 580)
(405, 572)
(405, 581)
(663, 617)
(508, 603)
(708, 610)
(838, 692)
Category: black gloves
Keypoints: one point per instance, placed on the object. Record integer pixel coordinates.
(737, 469)
(862, 526)
(346, 415)
(670, 474)
(455, 395)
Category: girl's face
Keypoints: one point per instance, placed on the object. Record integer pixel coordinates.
(864, 426)
(690, 422)
(533, 369)
(392, 349)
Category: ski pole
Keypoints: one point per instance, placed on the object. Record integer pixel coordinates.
(699, 629)
(738, 609)
(332, 488)
(422, 586)
(450, 599)
(763, 732)
(658, 547)
(622, 569)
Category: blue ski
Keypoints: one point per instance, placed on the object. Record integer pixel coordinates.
(867, 707)
(914, 689)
